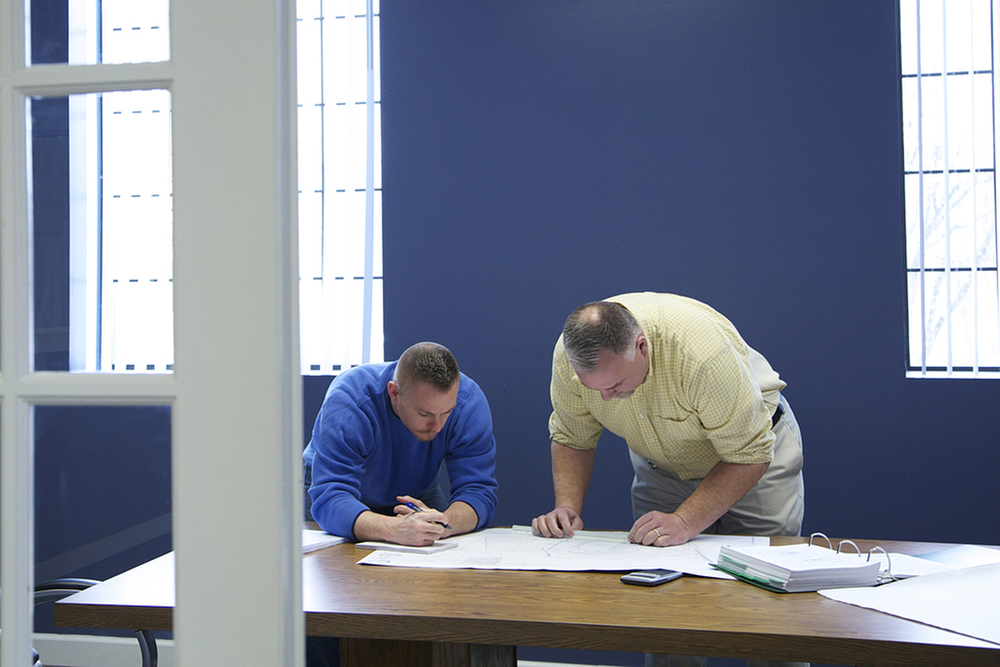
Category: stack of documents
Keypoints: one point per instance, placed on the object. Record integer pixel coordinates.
(798, 568)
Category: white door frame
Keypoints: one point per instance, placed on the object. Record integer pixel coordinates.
(236, 390)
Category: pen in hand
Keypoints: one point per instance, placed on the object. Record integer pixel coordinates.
(420, 509)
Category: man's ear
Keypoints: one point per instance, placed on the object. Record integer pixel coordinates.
(642, 344)
(393, 389)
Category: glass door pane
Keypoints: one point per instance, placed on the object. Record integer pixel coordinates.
(88, 32)
(102, 220)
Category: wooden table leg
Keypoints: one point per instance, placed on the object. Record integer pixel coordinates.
(391, 653)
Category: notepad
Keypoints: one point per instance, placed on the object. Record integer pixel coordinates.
(405, 548)
(314, 540)
(798, 568)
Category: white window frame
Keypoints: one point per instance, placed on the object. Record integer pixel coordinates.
(236, 390)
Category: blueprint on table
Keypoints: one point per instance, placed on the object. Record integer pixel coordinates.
(518, 548)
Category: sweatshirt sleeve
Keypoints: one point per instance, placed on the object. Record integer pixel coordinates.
(341, 441)
(471, 457)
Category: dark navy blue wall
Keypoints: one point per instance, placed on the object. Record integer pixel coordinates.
(538, 155)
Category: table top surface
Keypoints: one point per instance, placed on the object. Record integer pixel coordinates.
(588, 610)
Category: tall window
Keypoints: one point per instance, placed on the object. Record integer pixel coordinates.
(340, 185)
(948, 56)
(121, 316)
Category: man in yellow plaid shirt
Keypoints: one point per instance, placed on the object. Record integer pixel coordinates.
(714, 445)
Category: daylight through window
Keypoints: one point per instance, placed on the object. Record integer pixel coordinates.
(121, 217)
(948, 54)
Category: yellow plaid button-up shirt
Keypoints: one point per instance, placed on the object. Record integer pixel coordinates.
(708, 396)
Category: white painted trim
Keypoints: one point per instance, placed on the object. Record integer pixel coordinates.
(90, 650)
(237, 419)
(16, 438)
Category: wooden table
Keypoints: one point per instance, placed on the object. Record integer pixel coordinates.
(478, 617)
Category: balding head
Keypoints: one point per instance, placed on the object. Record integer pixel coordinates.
(597, 327)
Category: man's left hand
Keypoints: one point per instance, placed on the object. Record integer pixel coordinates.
(660, 530)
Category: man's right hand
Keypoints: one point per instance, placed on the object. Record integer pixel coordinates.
(419, 528)
(560, 522)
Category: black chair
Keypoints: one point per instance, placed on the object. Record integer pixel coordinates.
(56, 589)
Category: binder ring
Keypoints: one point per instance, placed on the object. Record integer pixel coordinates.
(888, 563)
(843, 542)
(840, 545)
(828, 542)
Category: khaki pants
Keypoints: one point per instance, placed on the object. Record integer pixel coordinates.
(774, 506)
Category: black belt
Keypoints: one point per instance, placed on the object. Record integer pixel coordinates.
(776, 417)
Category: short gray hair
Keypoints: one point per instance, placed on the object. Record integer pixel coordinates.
(598, 326)
(427, 362)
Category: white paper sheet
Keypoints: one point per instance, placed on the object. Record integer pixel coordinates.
(518, 549)
(965, 600)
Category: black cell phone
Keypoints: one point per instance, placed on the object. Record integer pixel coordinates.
(650, 577)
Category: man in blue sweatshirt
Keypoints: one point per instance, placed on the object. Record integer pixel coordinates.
(380, 440)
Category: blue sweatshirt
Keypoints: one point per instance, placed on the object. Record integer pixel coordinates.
(362, 456)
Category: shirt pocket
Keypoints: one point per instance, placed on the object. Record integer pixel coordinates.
(680, 428)
(684, 444)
